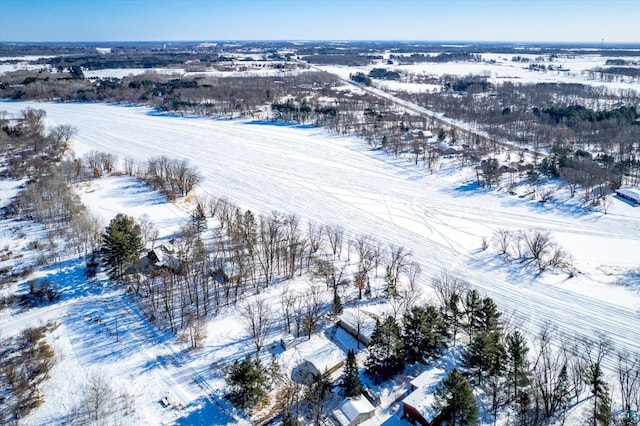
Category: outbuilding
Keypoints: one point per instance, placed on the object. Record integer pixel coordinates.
(354, 411)
(358, 323)
(629, 194)
(418, 405)
(318, 356)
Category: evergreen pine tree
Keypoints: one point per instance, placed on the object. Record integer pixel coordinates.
(600, 392)
(317, 393)
(247, 383)
(489, 316)
(199, 218)
(424, 334)
(455, 401)
(517, 363)
(121, 244)
(385, 350)
(560, 396)
(453, 316)
(351, 381)
(473, 312)
(485, 355)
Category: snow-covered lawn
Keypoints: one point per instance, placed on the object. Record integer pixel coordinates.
(441, 217)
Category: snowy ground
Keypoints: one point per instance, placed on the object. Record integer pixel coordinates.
(441, 217)
(499, 68)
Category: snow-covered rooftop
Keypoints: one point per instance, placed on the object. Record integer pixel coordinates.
(350, 318)
(422, 397)
(321, 353)
(630, 193)
(352, 408)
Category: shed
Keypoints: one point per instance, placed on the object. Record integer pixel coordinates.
(359, 324)
(417, 406)
(630, 194)
(354, 411)
(287, 342)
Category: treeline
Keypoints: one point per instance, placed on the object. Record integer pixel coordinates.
(572, 115)
(207, 96)
(384, 74)
(580, 168)
(119, 60)
(437, 58)
(351, 60)
(35, 155)
(609, 74)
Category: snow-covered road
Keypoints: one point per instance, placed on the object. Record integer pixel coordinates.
(339, 180)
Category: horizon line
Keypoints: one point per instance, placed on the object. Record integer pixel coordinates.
(601, 42)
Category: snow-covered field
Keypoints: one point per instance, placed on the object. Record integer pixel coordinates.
(441, 217)
(499, 68)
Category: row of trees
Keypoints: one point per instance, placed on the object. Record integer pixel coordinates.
(33, 154)
(533, 246)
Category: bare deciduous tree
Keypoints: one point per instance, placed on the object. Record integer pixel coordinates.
(628, 371)
(63, 133)
(396, 264)
(98, 397)
(447, 285)
(257, 319)
(335, 235)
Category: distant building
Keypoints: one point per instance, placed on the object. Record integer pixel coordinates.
(354, 411)
(630, 194)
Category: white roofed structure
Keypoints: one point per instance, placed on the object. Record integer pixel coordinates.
(318, 355)
(359, 323)
(354, 411)
(630, 194)
(418, 404)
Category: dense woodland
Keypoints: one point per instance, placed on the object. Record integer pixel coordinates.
(226, 254)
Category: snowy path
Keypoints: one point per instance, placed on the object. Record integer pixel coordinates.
(338, 180)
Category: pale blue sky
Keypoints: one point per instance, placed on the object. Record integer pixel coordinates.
(455, 20)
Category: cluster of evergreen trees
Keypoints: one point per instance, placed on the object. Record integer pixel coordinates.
(420, 337)
(495, 360)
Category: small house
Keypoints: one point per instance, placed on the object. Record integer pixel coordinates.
(418, 405)
(163, 257)
(354, 411)
(287, 342)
